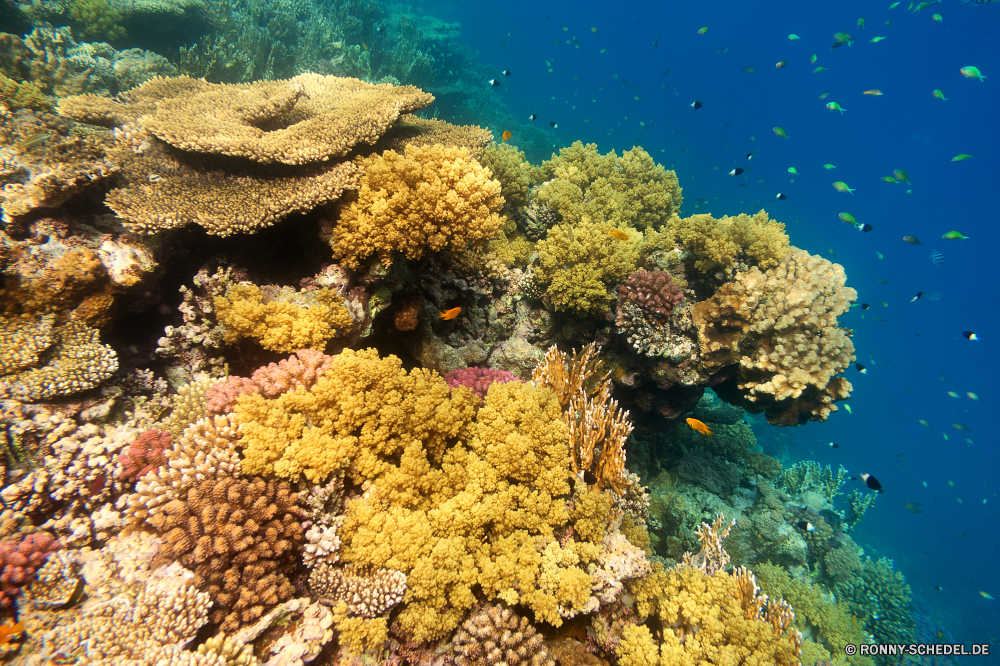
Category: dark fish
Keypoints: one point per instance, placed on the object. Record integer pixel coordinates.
(780, 196)
(696, 104)
(912, 505)
(805, 525)
(969, 335)
(938, 588)
(917, 297)
(750, 155)
(834, 445)
(865, 306)
(862, 369)
(493, 82)
(735, 172)
(912, 240)
(871, 482)
(506, 72)
(532, 117)
(589, 478)
(554, 124)
(937, 258)
(914, 510)
(865, 228)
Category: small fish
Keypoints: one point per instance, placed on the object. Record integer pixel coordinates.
(699, 426)
(911, 505)
(793, 36)
(780, 196)
(954, 395)
(833, 106)
(861, 22)
(842, 38)
(553, 124)
(874, 91)
(973, 396)
(901, 175)
(829, 166)
(865, 306)
(841, 186)
(955, 235)
(984, 595)
(971, 72)
(819, 69)
(938, 588)
(862, 369)
(506, 72)
(793, 171)
(871, 482)
(812, 61)
(969, 335)
(506, 135)
(937, 258)
(939, 95)
(30, 141)
(912, 240)
(737, 171)
(749, 70)
(961, 426)
(951, 483)
(780, 64)
(924, 423)
(847, 217)
(824, 95)
(864, 228)
(780, 131)
(917, 297)
(449, 314)
(924, 5)
(848, 408)
(750, 155)
(834, 445)
(889, 179)
(876, 40)
(938, 18)
(493, 82)
(882, 281)
(364, 47)
(702, 30)
(805, 525)
(880, 255)
(961, 157)
(532, 117)
(620, 235)
(696, 104)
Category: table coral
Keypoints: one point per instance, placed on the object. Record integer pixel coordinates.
(416, 131)
(424, 200)
(718, 243)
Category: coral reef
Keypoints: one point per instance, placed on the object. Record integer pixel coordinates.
(653, 292)
(479, 380)
(496, 634)
(20, 560)
(426, 199)
(718, 243)
(881, 599)
(368, 594)
(145, 454)
(507, 164)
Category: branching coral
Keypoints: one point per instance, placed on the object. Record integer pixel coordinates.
(301, 369)
(145, 454)
(286, 320)
(653, 292)
(478, 380)
(427, 199)
(366, 593)
(810, 476)
(19, 560)
(507, 164)
(718, 243)
(495, 634)
(882, 600)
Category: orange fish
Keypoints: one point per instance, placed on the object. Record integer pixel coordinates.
(449, 314)
(506, 135)
(620, 235)
(9, 629)
(872, 92)
(699, 426)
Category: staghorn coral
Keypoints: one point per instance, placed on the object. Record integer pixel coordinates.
(630, 191)
(20, 560)
(495, 634)
(859, 502)
(366, 593)
(507, 164)
(718, 243)
(578, 264)
(426, 199)
(239, 536)
(286, 320)
(781, 327)
(653, 292)
(810, 476)
(479, 380)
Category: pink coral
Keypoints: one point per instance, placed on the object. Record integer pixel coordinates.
(144, 455)
(19, 560)
(479, 379)
(302, 368)
(654, 292)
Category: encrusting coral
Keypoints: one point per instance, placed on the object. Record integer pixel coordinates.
(424, 200)
(718, 243)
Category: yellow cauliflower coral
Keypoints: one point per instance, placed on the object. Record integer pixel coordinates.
(304, 321)
(427, 199)
(508, 165)
(717, 243)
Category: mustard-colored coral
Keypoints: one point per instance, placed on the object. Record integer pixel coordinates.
(578, 265)
(508, 165)
(23, 94)
(630, 191)
(282, 325)
(427, 199)
(718, 243)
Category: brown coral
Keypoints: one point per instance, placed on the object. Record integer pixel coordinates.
(240, 537)
(495, 635)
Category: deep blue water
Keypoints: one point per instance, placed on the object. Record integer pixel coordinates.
(917, 354)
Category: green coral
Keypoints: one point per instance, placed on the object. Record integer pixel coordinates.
(627, 191)
(97, 19)
(832, 622)
(579, 264)
(859, 503)
(881, 599)
(718, 243)
(809, 476)
(509, 166)
(23, 95)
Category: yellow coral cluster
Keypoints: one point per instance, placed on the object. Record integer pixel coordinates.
(281, 325)
(717, 243)
(703, 622)
(427, 199)
(508, 165)
(630, 191)
(577, 266)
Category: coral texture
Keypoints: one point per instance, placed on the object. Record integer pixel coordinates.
(366, 593)
(494, 635)
(239, 536)
(145, 454)
(718, 243)
(479, 380)
(424, 200)
(301, 369)
(507, 165)
(654, 292)
(19, 560)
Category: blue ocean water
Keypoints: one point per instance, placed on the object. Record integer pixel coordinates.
(625, 74)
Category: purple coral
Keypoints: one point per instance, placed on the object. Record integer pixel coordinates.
(479, 379)
(303, 368)
(145, 454)
(654, 292)
(19, 560)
